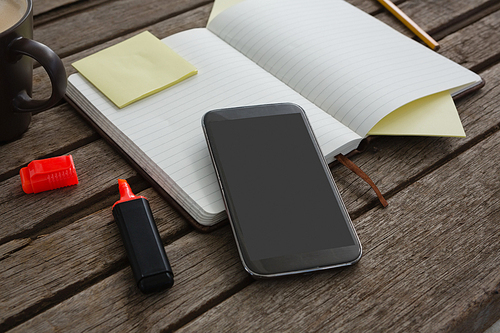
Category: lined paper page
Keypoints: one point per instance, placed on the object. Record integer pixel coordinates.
(167, 125)
(343, 60)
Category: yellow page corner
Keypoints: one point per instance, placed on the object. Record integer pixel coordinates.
(433, 115)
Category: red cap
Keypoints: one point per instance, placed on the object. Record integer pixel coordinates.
(126, 192)
(48, 174)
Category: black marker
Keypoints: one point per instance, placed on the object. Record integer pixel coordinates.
(142, 241)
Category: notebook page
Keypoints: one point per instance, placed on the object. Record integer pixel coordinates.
(167, 125)
(346, 62)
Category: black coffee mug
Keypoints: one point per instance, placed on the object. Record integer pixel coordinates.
(17, 51)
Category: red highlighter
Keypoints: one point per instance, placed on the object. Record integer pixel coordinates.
(145, 251)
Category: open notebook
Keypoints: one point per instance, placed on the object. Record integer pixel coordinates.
(346, 69)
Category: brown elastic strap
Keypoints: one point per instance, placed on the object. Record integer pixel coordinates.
(354, 168)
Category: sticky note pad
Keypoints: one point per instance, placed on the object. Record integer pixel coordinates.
(134, 69)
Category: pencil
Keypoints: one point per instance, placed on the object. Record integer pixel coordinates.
(410, 24)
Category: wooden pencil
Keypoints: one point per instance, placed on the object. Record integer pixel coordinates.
(408, 22)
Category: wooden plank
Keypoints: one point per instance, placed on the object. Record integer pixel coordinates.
(430, 264)
(432, 17)
(41, 7)
(206, 268)
(477, 45)
(98, 168)
(12, 246)
(98, 24)
(70, 258)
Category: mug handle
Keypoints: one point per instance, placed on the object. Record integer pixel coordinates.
(52, 64)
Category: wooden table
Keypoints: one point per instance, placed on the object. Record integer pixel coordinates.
(431, 259)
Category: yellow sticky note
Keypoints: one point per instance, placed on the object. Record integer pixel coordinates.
(134, 69)
(434, 115)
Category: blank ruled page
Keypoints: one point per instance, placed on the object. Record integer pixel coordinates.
(167, 126)
(343, 60)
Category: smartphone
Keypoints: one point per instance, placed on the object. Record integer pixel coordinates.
(284, 208)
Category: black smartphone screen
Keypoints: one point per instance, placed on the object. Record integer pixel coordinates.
(278, 190)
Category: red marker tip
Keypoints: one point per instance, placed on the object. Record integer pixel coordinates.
(126, 193)
(125, 190)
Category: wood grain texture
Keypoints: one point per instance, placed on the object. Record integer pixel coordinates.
(98, 168)
(12, 246)
(44, 6)
(109, 20)
(434, 16)
(71, 257)
(206, 267)
(430, 262)
(43, 140)
(476, 45)
(62, 7)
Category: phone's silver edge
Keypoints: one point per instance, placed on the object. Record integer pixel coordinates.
(304, 271)
(332, 181)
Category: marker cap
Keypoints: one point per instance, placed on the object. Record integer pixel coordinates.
(48, 174)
